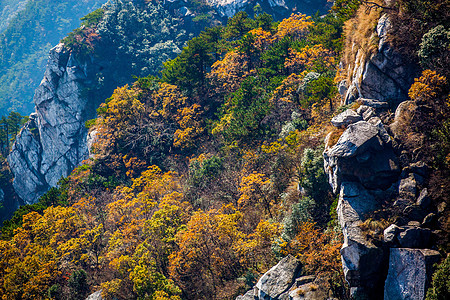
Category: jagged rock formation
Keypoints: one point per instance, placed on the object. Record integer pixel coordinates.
(53, 142)
(366, 171)
(95, 296)
(386, 75)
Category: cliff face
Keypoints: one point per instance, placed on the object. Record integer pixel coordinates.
(386, 75)
(53, 141)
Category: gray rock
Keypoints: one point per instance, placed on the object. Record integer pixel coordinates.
(407, 188)
(414, 237)
(401, 204)
(409, 273)
(369, 113)
(247, 296)
(95, 296)
(304, 279)
(373, 103)
(278, 279)
(390, 233)
(414, 213)
(403, 114)
(342, 88)
(362, 109)
(345, 118)
(423, 200)
(363, 153)
(361, 260)
(53, 142)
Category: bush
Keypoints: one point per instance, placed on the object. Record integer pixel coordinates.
(434, 49)
(78, 284)
(440, 286)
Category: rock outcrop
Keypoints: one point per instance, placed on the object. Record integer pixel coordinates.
(95, 296)
(283, 282)
(409, 273)
(53, 142)
(385, 75)
(361, 167)
(365, 168)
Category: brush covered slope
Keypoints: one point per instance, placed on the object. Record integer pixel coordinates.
(120, 41)
(201, 180)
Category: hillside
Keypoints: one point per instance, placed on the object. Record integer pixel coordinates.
(9, 9)
(306, 158)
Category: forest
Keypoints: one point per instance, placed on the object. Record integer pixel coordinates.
(205, 175)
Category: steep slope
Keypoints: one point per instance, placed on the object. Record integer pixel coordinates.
(53, 143)
(60, 137)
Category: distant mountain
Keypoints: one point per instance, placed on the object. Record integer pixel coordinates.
(28, 30)
(8, 10)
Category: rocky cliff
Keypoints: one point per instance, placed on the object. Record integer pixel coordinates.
(374, 174)
(53, 142)
(367, 168)
(278, 8)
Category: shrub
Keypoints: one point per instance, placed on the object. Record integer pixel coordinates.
(440, 286)
(434, 49)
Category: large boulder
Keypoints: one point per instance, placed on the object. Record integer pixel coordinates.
(345, 118)
(362, 154)
(278, 279)
(409, 273)
(95, 296)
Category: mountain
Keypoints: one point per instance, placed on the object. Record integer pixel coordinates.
(9, 9)
(29, 30)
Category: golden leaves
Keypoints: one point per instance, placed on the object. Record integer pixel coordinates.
(295, 26)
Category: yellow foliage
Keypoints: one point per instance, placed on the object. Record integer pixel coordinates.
(228, 73)
(318, 251)
(111, 288)
(190, 122)
(295, 26)
(288, 87)
(427, 87)
(168, 100)
(262, 38)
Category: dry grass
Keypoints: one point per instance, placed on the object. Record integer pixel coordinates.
(361, 39)
(374, 228)
(334, 136)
